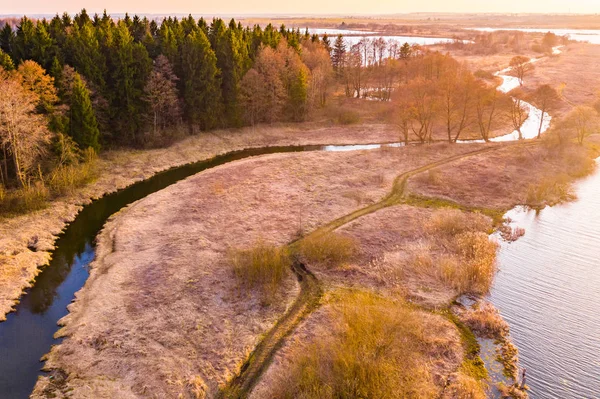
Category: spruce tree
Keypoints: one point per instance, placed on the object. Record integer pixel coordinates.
(201, 82)
(7, 38)
(337, 57)
(83, 126)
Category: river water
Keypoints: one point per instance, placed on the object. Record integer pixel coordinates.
(548, 289)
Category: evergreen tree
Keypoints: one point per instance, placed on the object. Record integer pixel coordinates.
(24, 40)
(405, 51)
(6, 62)
(231, 62)
(337, 57)
(83, 126)
(201, 82)
(129, 66)
(326, 43)
(7, 37)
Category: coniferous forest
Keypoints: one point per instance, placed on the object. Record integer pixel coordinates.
(71, 86)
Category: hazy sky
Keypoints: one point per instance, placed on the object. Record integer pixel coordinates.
(304, 6)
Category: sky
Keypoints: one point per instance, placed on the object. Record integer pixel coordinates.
(340, 7)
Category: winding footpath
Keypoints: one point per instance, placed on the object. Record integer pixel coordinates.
(311, 292)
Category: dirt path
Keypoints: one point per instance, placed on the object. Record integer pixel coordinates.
(311, 291)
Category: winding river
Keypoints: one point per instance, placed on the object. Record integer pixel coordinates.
(27, 334)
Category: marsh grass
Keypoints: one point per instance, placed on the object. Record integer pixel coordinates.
(377, 348)
(456, 251)
(485, 320)
(331, 249)
(23, 200)
(551, 190)
(450, 222)
(62, 180)
(262, 267)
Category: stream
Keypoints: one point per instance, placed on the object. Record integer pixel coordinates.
(28, 333)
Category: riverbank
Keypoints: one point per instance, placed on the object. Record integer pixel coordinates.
(26, 241)
(189, 227)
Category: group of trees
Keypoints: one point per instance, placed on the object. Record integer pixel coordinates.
(370, 67)
(100, 81)
(438, 94)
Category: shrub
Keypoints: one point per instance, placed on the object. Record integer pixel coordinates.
(481, 74)
(331, 249)
(478, 263)
(450, 222)
(347, 117)
(486, 321)
(23, 200)
(262, 267)
(550, 190)
(376, 349)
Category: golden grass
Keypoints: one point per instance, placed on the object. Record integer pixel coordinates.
(262, 267)
(463, 386)
(63, 180)
(486, 321)
(457, 251)
(450, 222)
(23, 200)
(330, 249)
(550, 190)
(378, 348)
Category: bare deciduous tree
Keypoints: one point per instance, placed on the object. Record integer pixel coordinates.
(520, 67)
(23, 132)
(517, 111)
(583, 120)
(161, 95)
(546, 99)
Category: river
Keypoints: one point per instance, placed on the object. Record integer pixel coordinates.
(548, 290)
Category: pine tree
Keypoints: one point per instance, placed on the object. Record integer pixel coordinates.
(405, 51)
(201, 82)
(83, 126)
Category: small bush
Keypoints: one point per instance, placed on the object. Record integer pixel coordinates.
(331, 249)
(550, 190)
(486, 321)
(347, 117)
(450, 222)
(262, 267)
(65, 179)
(481, 74)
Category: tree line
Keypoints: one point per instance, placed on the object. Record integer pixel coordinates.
(69, 84)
